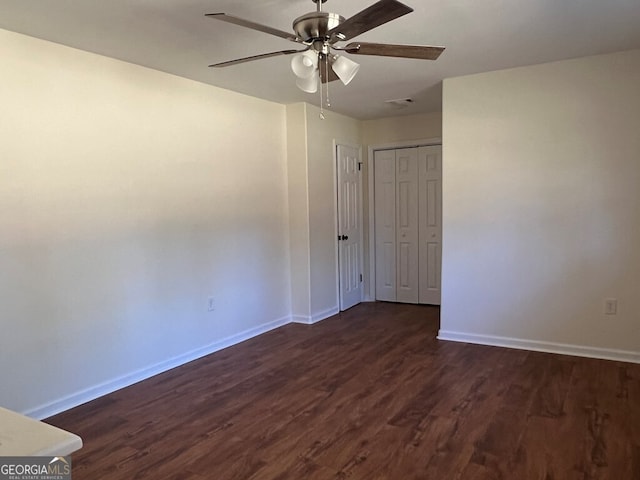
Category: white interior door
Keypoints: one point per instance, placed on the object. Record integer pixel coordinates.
(385, 224)
(349, 225)
(407, 270)
(408, 224)
(430, 211)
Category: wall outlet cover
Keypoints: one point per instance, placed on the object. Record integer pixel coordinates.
(610, 306)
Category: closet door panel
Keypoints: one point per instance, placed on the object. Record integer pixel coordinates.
(385, 224)
(407, 230)
(430, 212)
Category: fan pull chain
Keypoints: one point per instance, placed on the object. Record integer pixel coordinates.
(326, 72)
(328, 101)
(321, 102)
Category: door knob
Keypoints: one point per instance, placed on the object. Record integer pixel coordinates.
(343, 237)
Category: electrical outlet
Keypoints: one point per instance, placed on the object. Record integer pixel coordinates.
(211, 304)
(610, 306)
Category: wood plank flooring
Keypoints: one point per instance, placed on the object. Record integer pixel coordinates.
(368, 394)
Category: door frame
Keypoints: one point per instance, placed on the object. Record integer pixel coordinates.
(370, 288)
(363, 293)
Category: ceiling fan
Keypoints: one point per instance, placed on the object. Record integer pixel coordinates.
(320, 31)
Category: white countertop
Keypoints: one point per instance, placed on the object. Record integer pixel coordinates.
(24, 436)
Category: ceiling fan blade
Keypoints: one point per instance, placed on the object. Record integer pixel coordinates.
(256, 57)
(377, 14)
(423, 52)
(254, 26)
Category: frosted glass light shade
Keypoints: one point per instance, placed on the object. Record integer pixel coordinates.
(309, 85)
(345, 68)
(304, 64)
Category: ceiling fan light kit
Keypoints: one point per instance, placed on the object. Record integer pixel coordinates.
(308, 84)
(304, 65)
(320, 31)
(345, 68)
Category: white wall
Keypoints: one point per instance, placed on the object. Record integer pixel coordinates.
(298, 184)
(401, 129)
(127, 196)
(542, 206)
(321, 135)
(313, 206)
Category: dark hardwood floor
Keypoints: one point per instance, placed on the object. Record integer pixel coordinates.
(368, 394)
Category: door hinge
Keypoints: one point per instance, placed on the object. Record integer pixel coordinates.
(361, 278)
(359, 166)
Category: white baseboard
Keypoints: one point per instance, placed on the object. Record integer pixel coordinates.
(316, 317)
(304, 319)
(538, 346)
(319, 316)
(105, 388)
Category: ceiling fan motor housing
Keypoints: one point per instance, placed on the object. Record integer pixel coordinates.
(316, 26)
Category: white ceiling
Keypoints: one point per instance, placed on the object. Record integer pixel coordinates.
(480, 35)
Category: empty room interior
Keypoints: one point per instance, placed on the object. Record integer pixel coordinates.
(398, 241)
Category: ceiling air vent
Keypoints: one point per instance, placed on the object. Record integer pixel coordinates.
(400, 102)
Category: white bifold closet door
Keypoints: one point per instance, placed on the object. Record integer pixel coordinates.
(430, 208)
(408, 224)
